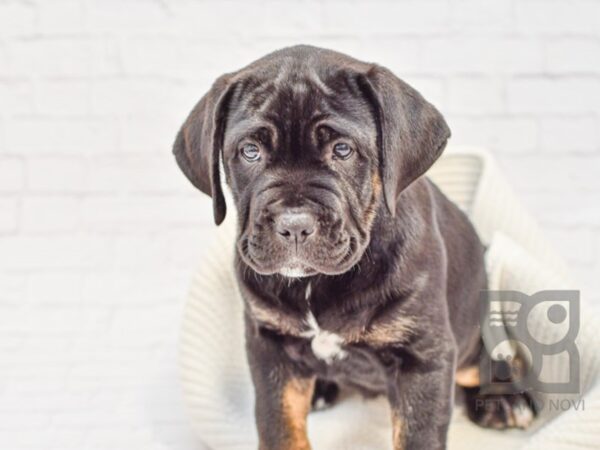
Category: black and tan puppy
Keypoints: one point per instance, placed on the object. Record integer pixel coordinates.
(354, 268)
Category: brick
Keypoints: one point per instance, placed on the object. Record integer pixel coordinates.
(180, 247)
(564, 175)
(10, 421)
(64, 321)
(17, 18)
(135, 283)
(150, 212)
(502, 134)
(61, 17)
(144, 134)
(41, 252)
(62, 135)
(475, 16)
(55, 288)
(546, 95)
(48, 350)
(13, 288)
(558, 17)
(136, 173)
(564, 208)
(513, 134)
(62, 57)
(92, 419)
(481, 55)
(474, 95)
(133, 252)
(53, 174)
(43, 213)
(113, 97)
(569, 134)
(184, 246)
(132, 320)
(433, 89)
(63, 97)
(4, 58)
(144, 15)
(573, 55)
(364, 18)
(272, 18)
(50, 57)
(19, 439)
(181, 57)
(401, 54)
(16, 97)
(12, 174)
(98, 370)
(43, 401)
(9, 213)
(106, 56)
(115, 438)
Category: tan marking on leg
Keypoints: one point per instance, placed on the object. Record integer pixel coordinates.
(297, 395)
(468, 377)
(399, 431)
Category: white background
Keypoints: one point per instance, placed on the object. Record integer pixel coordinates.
(99, 232)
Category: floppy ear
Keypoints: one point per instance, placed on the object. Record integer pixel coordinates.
(411, 133)
(199, 143)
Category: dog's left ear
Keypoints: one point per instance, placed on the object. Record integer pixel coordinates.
(199, 143)
(411, 133)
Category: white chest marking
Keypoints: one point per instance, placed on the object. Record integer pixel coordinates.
(325, 345)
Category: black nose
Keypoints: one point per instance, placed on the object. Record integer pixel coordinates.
(295, 226)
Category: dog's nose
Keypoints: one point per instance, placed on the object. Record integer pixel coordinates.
(295, 226)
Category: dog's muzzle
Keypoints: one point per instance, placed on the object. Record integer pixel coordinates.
(298, 229)
(295, 227)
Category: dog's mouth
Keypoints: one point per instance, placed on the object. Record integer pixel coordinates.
(321, 257)
(296, 269)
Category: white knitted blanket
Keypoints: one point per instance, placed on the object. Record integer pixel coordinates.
(216, 381)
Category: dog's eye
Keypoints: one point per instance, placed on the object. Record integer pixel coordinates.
(342, 150)
(250, 152)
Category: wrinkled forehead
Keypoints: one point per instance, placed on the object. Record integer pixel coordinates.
(292, 102)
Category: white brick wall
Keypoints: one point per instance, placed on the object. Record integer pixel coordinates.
(99, 232)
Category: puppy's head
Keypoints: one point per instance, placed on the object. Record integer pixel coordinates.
(312, 143)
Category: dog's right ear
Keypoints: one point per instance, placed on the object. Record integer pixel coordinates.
(199, 143)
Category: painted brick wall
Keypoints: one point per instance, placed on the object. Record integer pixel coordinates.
(99, 232)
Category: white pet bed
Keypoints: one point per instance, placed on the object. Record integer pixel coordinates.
(216, 380)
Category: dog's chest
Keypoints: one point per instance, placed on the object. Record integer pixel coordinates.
(325, 345)
(340, 357)
(330, 335)
(326, 336)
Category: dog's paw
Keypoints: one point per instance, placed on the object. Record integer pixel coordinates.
(500, 411)
(325, 394)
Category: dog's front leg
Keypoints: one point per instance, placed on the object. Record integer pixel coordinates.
(283, 394)
(421, 400)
